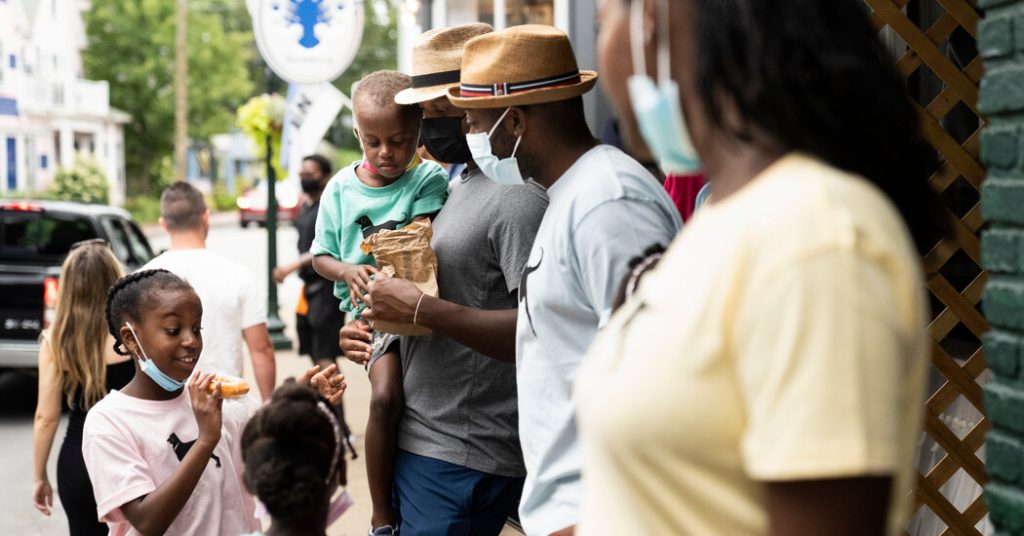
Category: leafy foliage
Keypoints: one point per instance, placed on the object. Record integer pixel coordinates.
(260, 116)
(85, 182)
(376, 52)
(143, 208)
(131, 44)
(378, 49)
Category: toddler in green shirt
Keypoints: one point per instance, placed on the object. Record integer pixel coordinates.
(388, 189)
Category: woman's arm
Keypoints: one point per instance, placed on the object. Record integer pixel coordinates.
(832, 507)
(153, 513)
(44, 428)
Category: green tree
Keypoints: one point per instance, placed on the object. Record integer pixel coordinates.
(131, 44)
(378, 50)
(84, 182)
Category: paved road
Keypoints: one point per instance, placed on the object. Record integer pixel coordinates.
(17, 396)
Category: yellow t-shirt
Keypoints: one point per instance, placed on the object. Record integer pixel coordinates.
(782, 337)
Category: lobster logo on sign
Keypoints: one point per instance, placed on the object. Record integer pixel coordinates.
(308, 14)
(307, 41)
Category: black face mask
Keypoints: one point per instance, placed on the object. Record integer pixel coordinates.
(444, 138)
(311, 186)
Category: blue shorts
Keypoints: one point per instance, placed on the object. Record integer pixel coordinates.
(433, 497)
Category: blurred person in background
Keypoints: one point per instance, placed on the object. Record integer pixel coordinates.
(234, 307)
(77, 364)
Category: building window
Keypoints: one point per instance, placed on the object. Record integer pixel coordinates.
(12, 61)
(501, 13)
(529, 12)
(44, 161)
(8, 106)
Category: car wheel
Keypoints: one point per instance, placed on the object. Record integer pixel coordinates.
(244, 223)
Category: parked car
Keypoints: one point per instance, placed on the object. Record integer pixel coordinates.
(252, 204)
(35, 236)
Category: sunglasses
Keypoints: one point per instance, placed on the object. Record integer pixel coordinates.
(89, 242)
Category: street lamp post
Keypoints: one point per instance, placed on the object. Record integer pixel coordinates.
(274, 324)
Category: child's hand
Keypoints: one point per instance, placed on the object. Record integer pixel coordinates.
(206, 407)
(330, 383)
(357, 277)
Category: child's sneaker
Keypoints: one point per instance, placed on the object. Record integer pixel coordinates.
(386, 530)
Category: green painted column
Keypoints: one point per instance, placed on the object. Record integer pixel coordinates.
(274, 324)
(1001, 44)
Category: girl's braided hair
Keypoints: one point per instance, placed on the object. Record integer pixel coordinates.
(125, 297)
(287, 448)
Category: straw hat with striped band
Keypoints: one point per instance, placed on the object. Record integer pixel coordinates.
(436, 60)
(529, 64)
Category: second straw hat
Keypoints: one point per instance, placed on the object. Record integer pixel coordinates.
(436, 60)
(521, 65)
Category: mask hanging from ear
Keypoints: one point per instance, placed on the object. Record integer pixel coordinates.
(500, 170)
(659, 115)
(150, 369)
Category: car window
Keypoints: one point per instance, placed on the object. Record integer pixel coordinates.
(31, 235)
(138, 244)
(117, 238)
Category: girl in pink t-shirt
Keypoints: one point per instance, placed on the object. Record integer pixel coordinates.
(162, 457)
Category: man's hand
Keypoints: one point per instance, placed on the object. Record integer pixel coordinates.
(393, 300)
(357, 277)
(354, 340)
(280, 273)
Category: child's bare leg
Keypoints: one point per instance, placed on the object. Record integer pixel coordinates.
(386, 404)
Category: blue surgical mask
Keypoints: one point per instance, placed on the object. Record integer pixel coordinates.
(656, 105)
(150, 369)
(500, 170)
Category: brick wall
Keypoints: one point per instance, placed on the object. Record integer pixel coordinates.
(1001, 44)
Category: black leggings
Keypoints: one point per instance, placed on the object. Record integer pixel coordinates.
(75, 489)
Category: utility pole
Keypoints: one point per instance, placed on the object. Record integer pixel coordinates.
(181, 92)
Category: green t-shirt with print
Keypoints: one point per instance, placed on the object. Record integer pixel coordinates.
(351, 211)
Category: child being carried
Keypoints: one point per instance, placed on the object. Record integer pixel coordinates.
(387, 190)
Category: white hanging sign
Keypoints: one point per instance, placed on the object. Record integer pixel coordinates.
(307, 41)
(311, 111)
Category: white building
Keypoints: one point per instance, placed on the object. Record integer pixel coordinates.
(48, 112)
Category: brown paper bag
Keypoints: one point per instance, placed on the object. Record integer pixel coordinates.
(406, 254)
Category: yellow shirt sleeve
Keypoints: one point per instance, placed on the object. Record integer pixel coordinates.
(815, 362)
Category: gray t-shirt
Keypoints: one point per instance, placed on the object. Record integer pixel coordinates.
(460, 405)
(605, 210)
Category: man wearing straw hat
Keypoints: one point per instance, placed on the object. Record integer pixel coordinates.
(523, 91)
(459, 468)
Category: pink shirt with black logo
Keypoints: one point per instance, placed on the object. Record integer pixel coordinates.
(131, 446)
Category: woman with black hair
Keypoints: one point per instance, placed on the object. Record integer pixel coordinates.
(767, 377)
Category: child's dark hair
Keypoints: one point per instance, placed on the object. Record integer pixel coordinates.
(378, 90)
(288, 448)
(125, 298)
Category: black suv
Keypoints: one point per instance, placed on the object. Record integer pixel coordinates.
(35, 236)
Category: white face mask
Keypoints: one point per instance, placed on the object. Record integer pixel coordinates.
(500, 170)
(656, 106)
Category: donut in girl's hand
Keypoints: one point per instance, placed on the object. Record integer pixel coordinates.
(230, 387)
